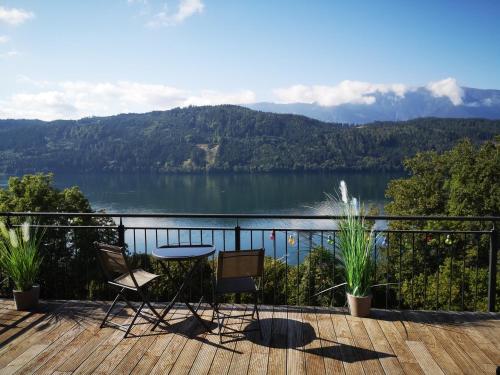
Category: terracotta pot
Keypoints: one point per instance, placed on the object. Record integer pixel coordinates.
(359, 306)
(27, 300)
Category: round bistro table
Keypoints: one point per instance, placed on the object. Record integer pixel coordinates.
(195, 254)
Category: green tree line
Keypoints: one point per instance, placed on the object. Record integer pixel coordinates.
(224, 138)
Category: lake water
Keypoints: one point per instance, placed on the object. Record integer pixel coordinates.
(223, 193)
(283, 193)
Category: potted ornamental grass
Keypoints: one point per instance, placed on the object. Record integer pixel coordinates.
(355, 244)
(20, 260)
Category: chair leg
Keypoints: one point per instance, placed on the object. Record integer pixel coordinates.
(217, 314)
(145, 299)
(156, 313)
(133, 320)
(111, 308)
(214, 297)
(220, 321)
(129, 304)
(219, 327)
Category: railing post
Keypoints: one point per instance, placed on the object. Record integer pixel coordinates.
(121, 234)
(237, 237)
(237, 247)
(492, 269)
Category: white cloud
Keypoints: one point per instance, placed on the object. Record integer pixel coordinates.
(210, 97)
(447, 88)
(4, 39)
(9, 54)
(23, 79)
(354, 92)
(14, 16)
(76, 99)
(185, 9)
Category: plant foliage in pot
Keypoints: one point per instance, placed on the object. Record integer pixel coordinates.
(20, 260)
(355, 243)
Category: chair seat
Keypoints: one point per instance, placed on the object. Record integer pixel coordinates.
(142, 277)
(236, 285)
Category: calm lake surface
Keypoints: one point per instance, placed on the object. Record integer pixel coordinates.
(223, 193)
(283, 193)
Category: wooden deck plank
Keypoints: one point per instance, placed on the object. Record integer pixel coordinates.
(9, 316)
(424, 358)
(490, 321)
(52, 350)
(259, 356)
(131, 358)
(31, 329)
(152, 355)
(193, 344)
(487, 325)
(295, 360)
(460, 337)
(224, 354)
(461, 358)
(114, 359)
(102, 350)
(388, 359)
(438, 353)
(480, 335)
(279, 337)
(407, 331)
(183, 324)
(205, 356)
(369, 357)
(397, 343)
(61, 329)
(33, 334)
(243, 349)
(86, 346)
(61, 356)
(141, 346)
(315, 363)
(24, 358)
(71, 325)
(330, 348)
(350, 357)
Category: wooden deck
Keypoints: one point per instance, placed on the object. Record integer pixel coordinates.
(64, 337)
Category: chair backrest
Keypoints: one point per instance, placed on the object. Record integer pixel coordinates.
(112, 260)
(243, 263)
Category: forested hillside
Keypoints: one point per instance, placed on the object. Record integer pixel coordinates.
(224, 138)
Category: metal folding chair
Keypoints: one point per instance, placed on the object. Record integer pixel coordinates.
(237, 272)
(119, 274)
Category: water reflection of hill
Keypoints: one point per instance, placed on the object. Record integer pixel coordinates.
(223, 193)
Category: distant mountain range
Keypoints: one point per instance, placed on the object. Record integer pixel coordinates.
(420, 102)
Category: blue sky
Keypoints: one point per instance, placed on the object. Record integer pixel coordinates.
(67, 59)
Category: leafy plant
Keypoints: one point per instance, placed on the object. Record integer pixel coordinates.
(355, 243)
(19, 256)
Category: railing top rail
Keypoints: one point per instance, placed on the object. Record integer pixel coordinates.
(247, 216)
(257, 229)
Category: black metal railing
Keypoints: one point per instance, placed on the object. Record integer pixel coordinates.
(421, 262)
